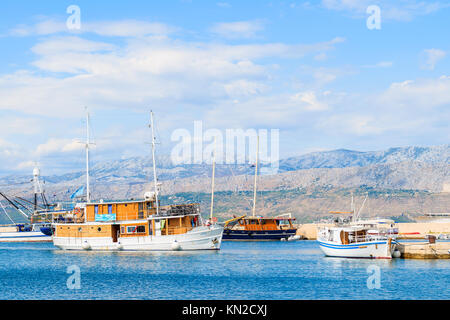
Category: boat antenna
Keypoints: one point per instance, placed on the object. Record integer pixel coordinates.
(155, 179)
(213, 176)
(88, 142)
(362, 206)
(352, 206)
(256, 176)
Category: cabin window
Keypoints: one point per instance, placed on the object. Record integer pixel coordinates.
(149, 206)
(96, 209)
(99, 229)
(252, 221)
(140, 210)
(122, 229)
(110, 208)
(136, 229)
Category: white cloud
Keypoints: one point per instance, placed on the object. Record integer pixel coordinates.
(238, 29)
(381, 64)
(405, 109)
(404, 10)
(121, 28)
(223, 4)
(26, 165)
(353, 124)
(309, 101)
(431, 57)
(8, 151)
(56, 145)
(418, 95)
(19, 125)
(144, 72)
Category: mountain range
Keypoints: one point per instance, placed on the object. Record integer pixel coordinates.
(399, 179)
(425, 168)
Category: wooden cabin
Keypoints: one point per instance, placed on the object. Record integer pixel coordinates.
(263, 223)
(126, 219)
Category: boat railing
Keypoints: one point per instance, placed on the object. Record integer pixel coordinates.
(366, 238)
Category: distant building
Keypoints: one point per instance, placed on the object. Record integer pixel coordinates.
(440, 217)
(446, 187)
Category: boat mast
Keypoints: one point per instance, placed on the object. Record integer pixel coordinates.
(213, 176)
(155, 179)
(37, 187)
(256, 175)
(88, 192)
(352, 207)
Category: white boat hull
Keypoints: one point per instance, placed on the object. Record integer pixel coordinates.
(200, 238)
(377, 249)
(26, 236)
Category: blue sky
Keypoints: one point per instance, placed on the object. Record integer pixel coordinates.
(312, 69)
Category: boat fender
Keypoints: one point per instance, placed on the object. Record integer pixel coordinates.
(119, 246)
(396, 253)
(86, 245)
(176, 246)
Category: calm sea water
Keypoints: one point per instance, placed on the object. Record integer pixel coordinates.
(241, 270)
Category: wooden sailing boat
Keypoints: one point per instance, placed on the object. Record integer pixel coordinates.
(258, 228)
(135, 224)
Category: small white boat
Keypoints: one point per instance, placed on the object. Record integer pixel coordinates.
(354, 238)
(354, 242)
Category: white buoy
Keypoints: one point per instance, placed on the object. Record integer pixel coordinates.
(86, 245)
(176, 246)
(396, 253)
(293, 238)
(119, 246)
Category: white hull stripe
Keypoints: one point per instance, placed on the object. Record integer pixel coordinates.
(348, 246)
(16, 237)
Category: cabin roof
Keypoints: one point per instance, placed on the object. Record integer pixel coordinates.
(118, 202)
(269, 218)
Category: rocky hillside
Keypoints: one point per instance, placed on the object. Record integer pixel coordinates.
(398, 180)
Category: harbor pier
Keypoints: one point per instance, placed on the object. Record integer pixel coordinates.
(424, 250)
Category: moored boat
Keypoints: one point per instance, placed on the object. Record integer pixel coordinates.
(141, 225)
(135, 225)
(355, 238)
(37, 227)
(354, 242)
(259, 228)
(24, 233)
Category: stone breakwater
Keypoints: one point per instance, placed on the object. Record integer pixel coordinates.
(424, 250)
